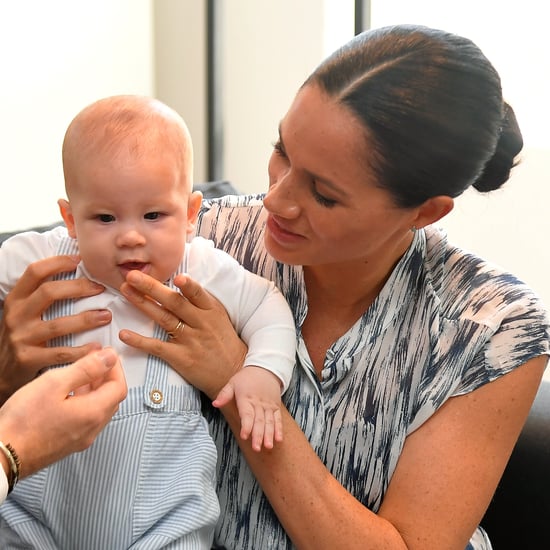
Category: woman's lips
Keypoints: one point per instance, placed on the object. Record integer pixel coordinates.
(280, 233)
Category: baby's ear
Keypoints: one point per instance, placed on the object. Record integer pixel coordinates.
(193, 207)
(67, 215)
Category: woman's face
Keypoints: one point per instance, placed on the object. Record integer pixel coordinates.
(323, 202)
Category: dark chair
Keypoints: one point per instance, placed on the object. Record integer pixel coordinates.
(519, 514)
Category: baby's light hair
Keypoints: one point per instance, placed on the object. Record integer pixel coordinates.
(126, 124)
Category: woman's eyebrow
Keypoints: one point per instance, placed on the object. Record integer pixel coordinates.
(327, 182)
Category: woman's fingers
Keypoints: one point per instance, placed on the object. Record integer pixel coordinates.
(151, 346)
(33, 293)
(163, 305)
(146, 286)
(49, 292)
(157, 301)
(31, 296)
(205, 349)
(193, 292)
(43, 331)
(38, 271)
(24, 335)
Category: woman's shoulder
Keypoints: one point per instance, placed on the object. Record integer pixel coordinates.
(228, 207)
(235, 224)
(483, 312)
(468, 284)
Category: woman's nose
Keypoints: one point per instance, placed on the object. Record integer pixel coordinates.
(281, 198)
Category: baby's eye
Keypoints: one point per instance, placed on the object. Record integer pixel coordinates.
(152, 215)
(106, 218)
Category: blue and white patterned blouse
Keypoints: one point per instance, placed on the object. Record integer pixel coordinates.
(445, 323)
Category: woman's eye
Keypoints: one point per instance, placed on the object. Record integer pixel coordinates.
(152, 216)
(279, 149)
(322, 200)
(106, 218)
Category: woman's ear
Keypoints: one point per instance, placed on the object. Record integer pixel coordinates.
(67, 215)
(193, 207)
(433, 210)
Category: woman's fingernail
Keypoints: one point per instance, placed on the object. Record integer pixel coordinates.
(107, 356)
(103, 315)
(134, 276)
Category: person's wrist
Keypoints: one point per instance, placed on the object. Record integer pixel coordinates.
(13, 462)
(5, 464)
(234, 365)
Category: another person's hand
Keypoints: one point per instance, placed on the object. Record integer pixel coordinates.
(257, 393)
(63, 410)
(23, 333)
(206, 350)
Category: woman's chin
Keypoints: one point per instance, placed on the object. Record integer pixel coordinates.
(281, 253)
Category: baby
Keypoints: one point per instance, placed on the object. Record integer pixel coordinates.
(149, 479)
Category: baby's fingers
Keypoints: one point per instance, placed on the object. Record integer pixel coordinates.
(268, 428)
(225, 395)
(262, 429)
(248, 419)
(278, 425)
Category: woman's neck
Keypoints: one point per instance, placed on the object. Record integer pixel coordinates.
(356, 283)
(338, 295)
(341, 287)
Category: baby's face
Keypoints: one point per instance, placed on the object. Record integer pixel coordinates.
(133, 213)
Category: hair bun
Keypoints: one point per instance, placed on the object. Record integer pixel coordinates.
(510, 142)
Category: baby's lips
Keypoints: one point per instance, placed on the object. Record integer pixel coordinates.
(130, 266)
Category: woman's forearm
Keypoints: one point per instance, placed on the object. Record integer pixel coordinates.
(315, 510)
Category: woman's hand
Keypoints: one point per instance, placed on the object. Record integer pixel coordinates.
(23, 333)
(206, 350)
(63, 410)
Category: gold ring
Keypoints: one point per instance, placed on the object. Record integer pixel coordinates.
(179, 328)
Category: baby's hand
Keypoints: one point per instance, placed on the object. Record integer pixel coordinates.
(257, 393)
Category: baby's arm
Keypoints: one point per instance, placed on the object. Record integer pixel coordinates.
(264, 321)
(270, 335)
(257, 394)
(269, 332)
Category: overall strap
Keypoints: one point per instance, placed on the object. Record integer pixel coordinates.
(158, 394)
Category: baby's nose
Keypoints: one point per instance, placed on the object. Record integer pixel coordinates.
(130, 237)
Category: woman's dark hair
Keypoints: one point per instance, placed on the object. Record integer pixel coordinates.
(431, 104)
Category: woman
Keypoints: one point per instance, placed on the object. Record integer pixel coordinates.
(418, 362)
